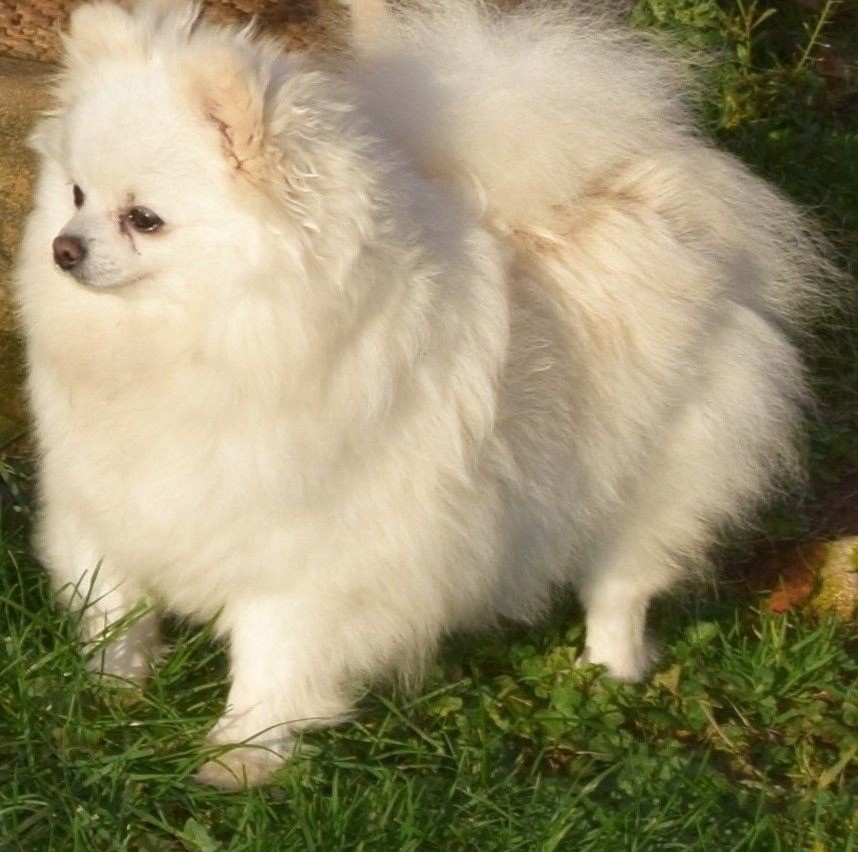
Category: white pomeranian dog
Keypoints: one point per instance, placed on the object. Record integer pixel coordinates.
(350, 353)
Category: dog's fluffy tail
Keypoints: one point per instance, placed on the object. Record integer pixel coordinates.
(533, 111)
(531, 104)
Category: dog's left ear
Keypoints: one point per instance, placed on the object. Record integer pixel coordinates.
(98, 30)
(224, 87)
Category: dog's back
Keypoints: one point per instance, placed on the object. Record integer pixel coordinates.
(678, 277)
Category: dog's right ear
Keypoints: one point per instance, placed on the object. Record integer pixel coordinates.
(96, 31)
(230, 95)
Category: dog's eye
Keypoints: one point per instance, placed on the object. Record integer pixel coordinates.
(77, 194)
(143, 219)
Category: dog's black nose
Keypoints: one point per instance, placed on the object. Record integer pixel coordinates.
(68, 252)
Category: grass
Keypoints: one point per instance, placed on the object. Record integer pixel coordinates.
(744, 739)
(740, 741)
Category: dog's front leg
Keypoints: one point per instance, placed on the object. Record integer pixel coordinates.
(120, 638)
(287, 676)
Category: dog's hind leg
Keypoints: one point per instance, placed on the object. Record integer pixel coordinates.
(722, 454)
(660, 538)
(616, 595)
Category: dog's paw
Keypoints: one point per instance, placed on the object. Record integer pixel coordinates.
(243, 755)
(128, 655)
(629, 665)
(240, 768)
(120, 667)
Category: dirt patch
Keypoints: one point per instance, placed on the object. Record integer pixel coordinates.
(23, 93)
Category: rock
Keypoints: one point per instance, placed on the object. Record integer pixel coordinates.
(838, 580)
(819, 577)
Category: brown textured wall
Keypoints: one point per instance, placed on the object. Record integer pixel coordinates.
(30, 29)
(22, 94)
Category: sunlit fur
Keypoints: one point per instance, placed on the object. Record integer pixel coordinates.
(429, 333)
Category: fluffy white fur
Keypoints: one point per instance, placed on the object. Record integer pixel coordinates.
(428, 333)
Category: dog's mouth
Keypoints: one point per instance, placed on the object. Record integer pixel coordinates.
(110, 286)
(103, 283)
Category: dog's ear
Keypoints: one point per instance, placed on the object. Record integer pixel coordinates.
(98, 30)
(231, 96)
(104, 30)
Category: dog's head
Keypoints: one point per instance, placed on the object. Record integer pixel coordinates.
(179, 148)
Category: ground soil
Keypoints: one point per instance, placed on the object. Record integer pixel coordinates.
(23, 93)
